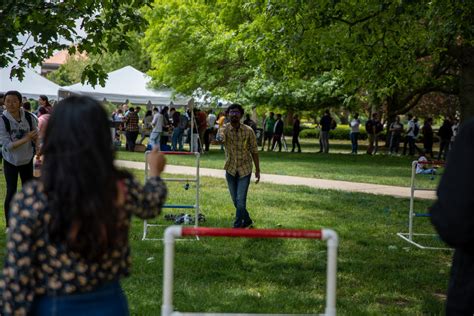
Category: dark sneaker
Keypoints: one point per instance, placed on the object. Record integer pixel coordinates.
(248, 224)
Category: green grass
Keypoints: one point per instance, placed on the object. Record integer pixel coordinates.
(378, 273)
(378, 169)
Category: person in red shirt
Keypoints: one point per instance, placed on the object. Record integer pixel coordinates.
(201, 120)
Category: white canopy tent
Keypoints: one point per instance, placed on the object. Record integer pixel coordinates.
(124, 84)
(32, 86)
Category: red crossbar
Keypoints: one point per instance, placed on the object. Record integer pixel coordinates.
(251, 233)
(185, 153)
(434, 162)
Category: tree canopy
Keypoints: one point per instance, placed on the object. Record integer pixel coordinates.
(91, 26)
(390, 52)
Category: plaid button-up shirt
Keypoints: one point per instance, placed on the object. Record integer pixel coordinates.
(239, 144)
(132, 122)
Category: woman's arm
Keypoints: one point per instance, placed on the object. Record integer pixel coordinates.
(146, 201)
(17, 285)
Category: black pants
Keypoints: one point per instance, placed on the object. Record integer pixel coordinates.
(131, 140)
(11, 176)
(295, 142)
(276, 140)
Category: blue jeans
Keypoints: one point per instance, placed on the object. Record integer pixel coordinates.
(107, 300)
(177, 139)
(238, 188)
(354, 140)
(155, 139)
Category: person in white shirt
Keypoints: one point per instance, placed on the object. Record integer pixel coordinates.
(354, 135)
(412, 133)
(396, 129)
(157, 124)
(211, 121)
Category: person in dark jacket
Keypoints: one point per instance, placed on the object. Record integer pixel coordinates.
(452, 217)
(445, 133)
(296, 133)
(277, 132)
(325, 124)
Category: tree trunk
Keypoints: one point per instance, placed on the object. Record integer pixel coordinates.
(466, 91)
(289, 118)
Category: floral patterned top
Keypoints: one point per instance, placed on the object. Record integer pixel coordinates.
(34, 266)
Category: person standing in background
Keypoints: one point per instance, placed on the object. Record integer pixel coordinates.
(354, 135)
(18, 133)
(396, 130)
(268, 125)
(325, 124)
(445, 133)
(296, 134)
(157, 124)
(131, 129)
(211, 121)
(44, 102)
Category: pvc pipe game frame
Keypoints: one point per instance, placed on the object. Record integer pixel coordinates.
(172, 232)
(410, 236)
(196, 180)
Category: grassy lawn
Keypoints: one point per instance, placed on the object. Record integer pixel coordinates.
(378, 273)
(378, 169)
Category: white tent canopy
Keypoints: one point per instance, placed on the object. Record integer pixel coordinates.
(124, 84)
(32, 86)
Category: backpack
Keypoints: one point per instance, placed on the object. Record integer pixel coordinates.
(333, 124)
(416, 129)
(183, 121)
(29, 119)
(369, 126)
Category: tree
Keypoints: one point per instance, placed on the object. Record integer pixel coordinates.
(389, 52)
(107, 26)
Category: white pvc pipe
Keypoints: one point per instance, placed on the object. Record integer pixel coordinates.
(170, 234)
(412, 199)
(198, 184)
(332, 244)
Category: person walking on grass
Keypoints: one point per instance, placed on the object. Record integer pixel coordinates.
(268, 125)
(241, 148)
(68, 245)
(452, 217)
(277, 133)
(354, 135)
(296, 134)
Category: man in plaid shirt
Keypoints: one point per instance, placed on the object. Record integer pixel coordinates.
(131, 128)
(241, 148)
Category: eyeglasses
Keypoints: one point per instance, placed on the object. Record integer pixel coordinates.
(234, 112)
